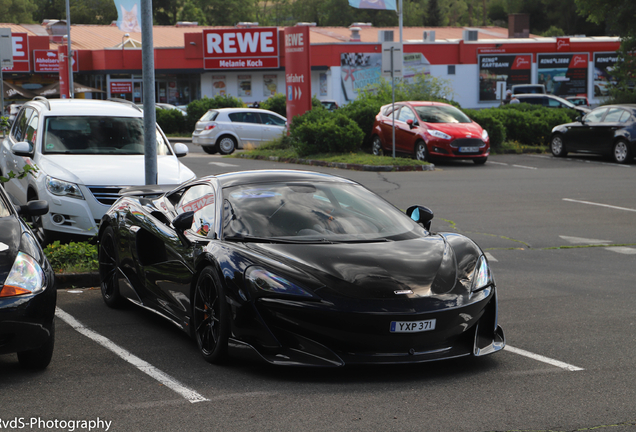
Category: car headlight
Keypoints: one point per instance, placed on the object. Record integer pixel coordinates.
(63, 188)
(26, 277)
(482, 277)
(438, 134)
(263, 280)
(484, 135)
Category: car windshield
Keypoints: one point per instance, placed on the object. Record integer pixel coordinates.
(321, 212)
(441, 114)
(97, 135)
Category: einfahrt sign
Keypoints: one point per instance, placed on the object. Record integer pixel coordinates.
(297, 71)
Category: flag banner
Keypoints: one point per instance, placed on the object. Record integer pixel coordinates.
(129, 15)
(374, 4)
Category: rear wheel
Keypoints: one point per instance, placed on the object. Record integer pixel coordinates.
(377, 146)
(227, 145)
(211, 326)
(421, 151)
(621, 152)
(210, 149)
(557, 147)
(39, 358)
(108, 269)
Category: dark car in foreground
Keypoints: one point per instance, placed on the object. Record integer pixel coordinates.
(609, 130)
(299, 268)
(428, 130)
(27, 294)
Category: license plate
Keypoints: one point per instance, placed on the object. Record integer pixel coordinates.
(468, 149)
(412, 326)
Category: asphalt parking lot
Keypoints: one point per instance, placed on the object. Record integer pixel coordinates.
(560, 237)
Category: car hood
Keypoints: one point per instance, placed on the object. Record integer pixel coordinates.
(458, 130)
(374, 270)
(10, 236)
(126, 170)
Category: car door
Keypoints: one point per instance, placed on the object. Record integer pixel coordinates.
(169, 279)
(386, 124)
(248, 127)
(273, 126)
(24, 129)
(584, 135)
(614, 119)
(405, 135)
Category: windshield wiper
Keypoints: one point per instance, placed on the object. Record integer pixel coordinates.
(253, 239)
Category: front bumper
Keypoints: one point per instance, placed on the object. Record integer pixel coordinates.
(454, 149)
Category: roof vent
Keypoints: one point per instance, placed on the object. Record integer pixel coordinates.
(355, 34)
(469, 35)
(429, 36)
(385, 36)
(187, 24)
(361, 24)
(246, 24)
(307, 24)
(55, 27)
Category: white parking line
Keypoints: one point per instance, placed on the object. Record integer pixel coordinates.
(622, 250)
(525, 167)
(543, 359)
(600, 205)
(497, 163)
(165, 379)
(490, 257)
(222, 164)
(582, 240)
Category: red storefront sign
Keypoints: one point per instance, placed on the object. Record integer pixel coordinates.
(47, 61)
(121, 87)
(297, 71)
(562, 44)
(255, 48)
(20, 42)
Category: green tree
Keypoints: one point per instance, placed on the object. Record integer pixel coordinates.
(17, 11)
(164, 12)
(82, 11)
(433, 14)
(228, 13)
(191, 12)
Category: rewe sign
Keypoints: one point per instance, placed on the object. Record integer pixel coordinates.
(241, 48)
(20, 49)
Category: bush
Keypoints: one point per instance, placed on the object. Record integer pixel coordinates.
(322, 131)
(363, 112)
(72, 257)
(171, 121)
(495, 128)
(197, 108)
(276, 103)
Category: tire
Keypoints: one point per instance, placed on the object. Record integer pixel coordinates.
(376, 146)
(43, 236)
(557, 147)
(38, 358)
(480, 161)
(108, 269)
(210, 149)
(210, 317)
(226, 145)
(421, 151)
(621, 152)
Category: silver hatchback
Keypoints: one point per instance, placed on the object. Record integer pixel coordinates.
(223, 130)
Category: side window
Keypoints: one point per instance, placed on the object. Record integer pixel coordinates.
(200, 199)
(251, 117)
(552, 103)
(613, 115)
(624, 118)
(596, 115)
(405, 114)
(21, 122)
(270, 119)
(31, 134)
(237, 117)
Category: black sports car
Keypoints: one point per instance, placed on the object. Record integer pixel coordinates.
(302, 268)
(608, 130)
(27, 295)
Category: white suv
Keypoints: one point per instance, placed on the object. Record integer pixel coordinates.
(223, 130)
(85, 151)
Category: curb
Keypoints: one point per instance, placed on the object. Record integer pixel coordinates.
(76, 280)
(355, 167)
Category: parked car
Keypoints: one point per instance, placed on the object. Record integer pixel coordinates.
(300, 268)
(27, 291)
(329, 105)
(579, 101)
(528, 89)
(550, 101)
(85, 152)
(608, 130)
(223, 130)
(430, 130)
(166, 107)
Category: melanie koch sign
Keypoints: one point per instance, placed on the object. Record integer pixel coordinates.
(241, 48)
(297, 71)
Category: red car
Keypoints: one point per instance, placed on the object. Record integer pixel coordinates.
(430, 130)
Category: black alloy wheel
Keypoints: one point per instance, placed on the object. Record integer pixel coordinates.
(210, 317)
(108, 269)
(377, 146)
(557, 147)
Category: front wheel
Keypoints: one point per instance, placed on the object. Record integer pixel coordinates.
(557, 147)
(421, 151)
(621, 152)
(377, 146)
(211, 326)
(109, 269)
(227, 145)
(480, 161)
(39, 358)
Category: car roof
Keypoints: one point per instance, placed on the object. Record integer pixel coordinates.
(85, 107)
(231, 110)
(276, 176)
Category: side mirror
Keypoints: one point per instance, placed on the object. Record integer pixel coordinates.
(22, 148)
(181, 223)
(181, 150)
(411, 123)
(34, 208)
(422, 215)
